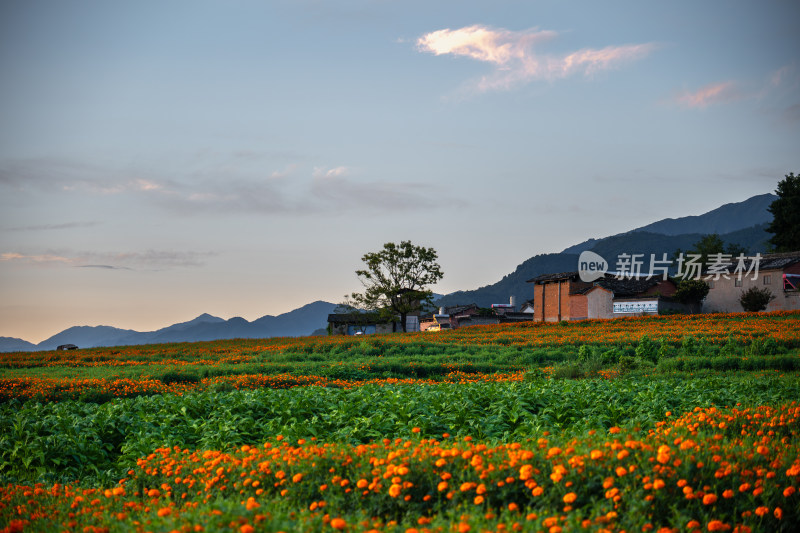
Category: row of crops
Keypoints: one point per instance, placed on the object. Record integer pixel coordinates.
(498, 440)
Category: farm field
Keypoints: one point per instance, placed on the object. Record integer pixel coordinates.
(680, 422)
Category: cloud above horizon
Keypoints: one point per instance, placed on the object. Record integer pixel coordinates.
(715, 93)
(515, 59)
(310, 191)
(726, 92)
(147, 259)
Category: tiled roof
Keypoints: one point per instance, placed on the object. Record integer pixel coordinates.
(554, 277)
(767, 262)
(356, 318)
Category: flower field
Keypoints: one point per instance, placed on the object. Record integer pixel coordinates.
(688, 423)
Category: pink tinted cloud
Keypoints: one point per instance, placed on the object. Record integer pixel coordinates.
(715, 93)
(515, 58)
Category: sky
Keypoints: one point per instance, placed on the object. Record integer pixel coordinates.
(163, 159)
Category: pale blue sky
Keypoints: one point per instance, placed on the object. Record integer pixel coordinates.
(161, 159)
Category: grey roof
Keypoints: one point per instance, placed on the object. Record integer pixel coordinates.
(770, 261)
(555, 277)
(625, 287)
(356, 318)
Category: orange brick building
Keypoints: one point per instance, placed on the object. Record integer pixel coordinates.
(564, 296)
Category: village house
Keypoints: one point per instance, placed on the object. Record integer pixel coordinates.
(564, 296)
(447, 317)
(779, 273)
(357, 323)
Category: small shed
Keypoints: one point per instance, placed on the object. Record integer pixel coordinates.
(67, 347)
(360, 324)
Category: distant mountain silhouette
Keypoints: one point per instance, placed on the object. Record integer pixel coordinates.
(11, 344)
(300, 322)
(742, 223)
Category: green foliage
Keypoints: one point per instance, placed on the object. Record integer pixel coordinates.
(396, 279)
(73, 440)
(754, 299)
(179, 377)
(785, 225)
(691, 291)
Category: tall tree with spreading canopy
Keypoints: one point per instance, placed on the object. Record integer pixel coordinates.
(396, 278)
(785, 225)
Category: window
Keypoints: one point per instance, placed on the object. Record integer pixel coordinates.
(737, 282)
(767, 280)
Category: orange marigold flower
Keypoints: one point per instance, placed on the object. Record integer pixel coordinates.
(761, 511)
(614, 429)
(570, 497)
(709, 499)
(246, 528)
(778, 513)
(415, 430)
(463, 527)
(596, 454)
(727, 494)
(164, 511)
(297, 478)
(693, 524)
(338, 523)
(620, 471)
(442, 486)
(394, 490)
(717, 525)
(788, 491)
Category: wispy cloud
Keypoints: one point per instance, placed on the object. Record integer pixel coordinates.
(715, 93)
(34, 258)
(314, 190)
(335, 188)
(145, 260)
(48, 227)
(515, 58)
(781, 81)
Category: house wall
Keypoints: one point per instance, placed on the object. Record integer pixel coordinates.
(600, 303)
(724, 296)
(546, 301)
(348, 329)
(578, 307)
(664, 288)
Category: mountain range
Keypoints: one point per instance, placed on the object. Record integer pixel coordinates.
(742, 223)
(300, 322)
